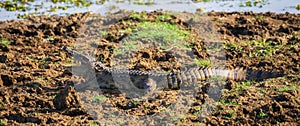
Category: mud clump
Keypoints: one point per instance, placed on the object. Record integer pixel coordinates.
(67, 98)
(6, 80)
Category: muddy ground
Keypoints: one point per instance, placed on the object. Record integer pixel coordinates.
(35, 79)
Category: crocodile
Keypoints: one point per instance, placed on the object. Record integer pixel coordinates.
(149, 80)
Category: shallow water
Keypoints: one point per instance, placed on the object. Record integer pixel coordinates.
(39, 7)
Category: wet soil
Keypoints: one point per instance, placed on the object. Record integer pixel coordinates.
(36, 83)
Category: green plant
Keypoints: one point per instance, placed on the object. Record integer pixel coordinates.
(288, 88)
(103, 33)
(51, 38)
(5, 42)
(99, 98)
(162, 34)
(261, 92)
(197, 110)
(69, 63)
(248, 3)
(127, 46)
(227, 102)
(245, 85)
(241, 87)
(258, 48)
(262, 115)
(2, 122)
(143, 2)
(221, 23)
(160, 31)
(163, 17)
(135, 102)
(138, 16)
(260, 18)
(202, 62)
(53, 96)
(94, 124)
(30, 58)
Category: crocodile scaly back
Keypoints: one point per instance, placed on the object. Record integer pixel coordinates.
(176, 79)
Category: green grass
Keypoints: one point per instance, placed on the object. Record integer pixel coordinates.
(138, 16)
(260, 18)
(288, 88)
(243, 86)
(94, 124)
(259, 48)
(162, 31)
(99, 98)
(53, 96)
(237, 90)
(5, 42)
(136, 102)
(226, 102)
(163, 34)
(197, 110)
(2, 123)
(202, 62)
(32, 59)
(221, 23)
(143, 2)
(51, 38)
(163, 17)
(70, 63)
(126, 47)
(262, 115)
(254, 3)
(103, 33)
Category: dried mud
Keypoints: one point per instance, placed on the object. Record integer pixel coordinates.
(36, 83)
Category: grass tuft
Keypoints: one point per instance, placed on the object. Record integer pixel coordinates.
(2, 123)
(5, 42)
(161, 34)
(202, 62)
(99, 98)
(94, 124)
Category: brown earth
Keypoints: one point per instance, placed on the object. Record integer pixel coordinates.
(35, 81)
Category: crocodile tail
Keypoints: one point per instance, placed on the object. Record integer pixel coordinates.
(258, 75)
(238, 74)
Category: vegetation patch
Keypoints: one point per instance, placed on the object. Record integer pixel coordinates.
(99, 98)
(2, 123)
(202, 62)
(5, 42)
(289, 88)
(158, 33)
(250, 3)
(94, 124)
(254, 48)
